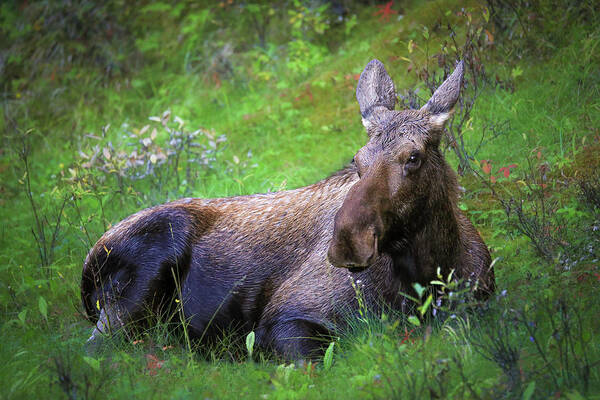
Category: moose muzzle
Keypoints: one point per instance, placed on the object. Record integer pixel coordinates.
(357, 230)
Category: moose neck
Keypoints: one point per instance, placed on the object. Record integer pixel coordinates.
(428, 238)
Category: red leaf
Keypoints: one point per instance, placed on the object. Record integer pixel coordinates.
(385, 10)
(486, 167)
(153, 364)
(490, 37)
(493, 179)
(506, 171)
(407, 336)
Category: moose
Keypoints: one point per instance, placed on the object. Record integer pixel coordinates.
(279, 263)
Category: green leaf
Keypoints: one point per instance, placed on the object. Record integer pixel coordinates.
(22, 315)
(486, 14)
(425, 306)
(575, 395)
(449, 279)
(419, 289)
(328, 358)
(350, 23)
(516, 72)
(250, 343)
(43, 306)
(529, 391)
(92, 362)
(253, 8)
(414, 320)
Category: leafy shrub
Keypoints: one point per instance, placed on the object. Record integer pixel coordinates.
(46, 214)
(473, 49)
(50, 38)
(590, 192)
(158, 160)
(538, 26)
(528, 194)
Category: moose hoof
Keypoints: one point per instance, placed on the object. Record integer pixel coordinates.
(93, 344)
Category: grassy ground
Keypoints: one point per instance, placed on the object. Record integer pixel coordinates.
(534, 340)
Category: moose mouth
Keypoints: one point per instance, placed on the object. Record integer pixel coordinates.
(355, 253)
(356, 270)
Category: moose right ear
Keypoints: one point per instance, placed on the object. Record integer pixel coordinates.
(442, 102)
(375, 92)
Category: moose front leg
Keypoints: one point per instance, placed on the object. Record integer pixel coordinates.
(119, 308)
(111, 319)
(295, 339)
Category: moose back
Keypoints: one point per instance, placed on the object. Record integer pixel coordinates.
(270, 262)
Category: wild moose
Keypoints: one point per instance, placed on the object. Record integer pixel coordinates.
(269, 262)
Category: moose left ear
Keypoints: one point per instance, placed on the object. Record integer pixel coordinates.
(440, 105)
(375, 92)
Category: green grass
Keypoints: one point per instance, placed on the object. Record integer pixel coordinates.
(300, 128)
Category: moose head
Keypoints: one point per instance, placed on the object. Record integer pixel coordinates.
(402, 173)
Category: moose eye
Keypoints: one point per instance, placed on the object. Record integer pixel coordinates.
(413, 159)
(413, 162)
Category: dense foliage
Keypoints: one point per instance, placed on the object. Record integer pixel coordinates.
(109, 107)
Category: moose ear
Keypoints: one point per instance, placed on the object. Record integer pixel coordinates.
(440, 105)
(375, 91)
